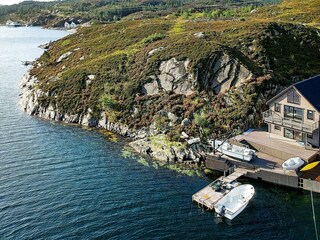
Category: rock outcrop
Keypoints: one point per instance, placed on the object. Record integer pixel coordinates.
(222, 72)
(174, 76)
(29, 98)
(219, 74)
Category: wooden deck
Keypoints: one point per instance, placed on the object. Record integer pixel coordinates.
(278, 147)
(207, 196)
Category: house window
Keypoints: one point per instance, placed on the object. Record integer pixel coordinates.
(293, 112)
(277, 107)
(293, 97)
(310, 114)
(278, 128)
(288, 133)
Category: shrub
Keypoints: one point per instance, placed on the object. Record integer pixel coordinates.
(153, 37)
(66, 42)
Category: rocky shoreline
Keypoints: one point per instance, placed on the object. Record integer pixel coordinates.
(146, 141)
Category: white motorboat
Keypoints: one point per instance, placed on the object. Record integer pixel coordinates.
(242, 153)
(293, 163)
(235, 201)
(10, 23)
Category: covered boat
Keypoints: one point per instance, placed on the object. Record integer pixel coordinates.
(235, 201)
(293, 163)
(242, 153)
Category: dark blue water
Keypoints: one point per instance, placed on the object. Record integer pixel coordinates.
(62, 182)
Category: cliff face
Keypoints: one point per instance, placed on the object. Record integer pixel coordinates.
(175, 79)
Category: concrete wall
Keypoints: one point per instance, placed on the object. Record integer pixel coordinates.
(307, 184)
(276, 178)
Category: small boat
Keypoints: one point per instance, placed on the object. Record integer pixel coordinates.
(27, 63)
(235, 201)
(221, 186)
(293, 163)
(242, 153)
(10, 23)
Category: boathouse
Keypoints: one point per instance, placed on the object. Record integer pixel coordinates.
(294, 112)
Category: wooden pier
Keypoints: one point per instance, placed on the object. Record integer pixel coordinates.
(208, 196)
(267, 165)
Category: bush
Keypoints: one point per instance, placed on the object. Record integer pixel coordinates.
(66, 42)
(153, 37)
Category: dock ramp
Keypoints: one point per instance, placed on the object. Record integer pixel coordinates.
(208, 196)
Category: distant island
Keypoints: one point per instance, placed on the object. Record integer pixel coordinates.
(165, 77)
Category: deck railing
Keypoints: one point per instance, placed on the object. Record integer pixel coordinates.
(272, 117)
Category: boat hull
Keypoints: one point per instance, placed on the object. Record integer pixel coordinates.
(234, 202)
(293, 163)
(241, 153)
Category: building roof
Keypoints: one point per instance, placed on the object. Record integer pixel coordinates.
(309, 88)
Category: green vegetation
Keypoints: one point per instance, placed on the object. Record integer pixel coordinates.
(54, 14)
(268, 43)
(153, 37)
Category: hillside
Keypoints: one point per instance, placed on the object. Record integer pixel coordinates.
(165, 76)
(54, 14)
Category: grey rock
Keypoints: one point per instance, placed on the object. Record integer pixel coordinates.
(150, 88)
(224, 72)
(186, 122)
(153, 51)
(172, 117)
(63, 56)
(174, 77)
(199, 35)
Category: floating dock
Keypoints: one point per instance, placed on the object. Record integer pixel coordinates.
(208, 196)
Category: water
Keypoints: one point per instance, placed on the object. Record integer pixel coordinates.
(62, 182)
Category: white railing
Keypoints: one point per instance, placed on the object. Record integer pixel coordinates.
(272, 117)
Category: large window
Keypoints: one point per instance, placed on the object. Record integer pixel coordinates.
(310, 114)
(293, 97)
(277, 107)
(293, 112)
(288, 133)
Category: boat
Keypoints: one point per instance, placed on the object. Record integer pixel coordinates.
(242, 153)
(27, 63)
(220, 186)
(293, 163)
(10, 23)
(234, 202)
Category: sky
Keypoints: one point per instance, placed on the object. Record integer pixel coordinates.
(9, 2)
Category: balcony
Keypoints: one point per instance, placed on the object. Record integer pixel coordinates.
(272, 117)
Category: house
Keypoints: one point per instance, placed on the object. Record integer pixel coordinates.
(66, 25)
(294, 112)
(70, 25)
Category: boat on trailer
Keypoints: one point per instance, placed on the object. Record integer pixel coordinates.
(234, 202)
(240, 152)
(293, 163)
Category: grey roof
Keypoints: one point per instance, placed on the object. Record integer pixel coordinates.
(310, 89)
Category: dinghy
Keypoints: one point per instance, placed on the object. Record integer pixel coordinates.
(235, 201)
(293, 163)
(242, 153)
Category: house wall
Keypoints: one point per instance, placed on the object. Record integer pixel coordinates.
(304, 104)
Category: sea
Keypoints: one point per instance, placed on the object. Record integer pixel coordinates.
(65, 182)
